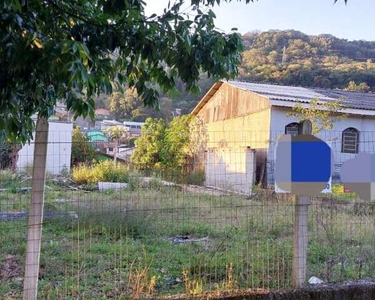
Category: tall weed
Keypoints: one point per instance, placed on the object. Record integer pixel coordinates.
(102, 171)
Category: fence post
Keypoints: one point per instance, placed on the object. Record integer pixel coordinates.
(34, 229)
(300, 226)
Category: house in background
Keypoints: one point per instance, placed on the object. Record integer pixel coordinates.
(108, 123)
(88, 124)
(240, 115)
(102, 113)
(134, 128)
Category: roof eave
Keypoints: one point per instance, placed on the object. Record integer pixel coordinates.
(206, 97)
(347, 110)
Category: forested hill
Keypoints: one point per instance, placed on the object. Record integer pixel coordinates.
(279, 57)
(294, 58)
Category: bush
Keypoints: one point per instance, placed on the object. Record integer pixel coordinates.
(102, 171)
(196, 177)
(131, 142)
(82, 151)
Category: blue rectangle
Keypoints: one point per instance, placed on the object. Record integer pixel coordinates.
(311, 161)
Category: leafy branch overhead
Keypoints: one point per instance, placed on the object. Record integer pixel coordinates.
(74, 50)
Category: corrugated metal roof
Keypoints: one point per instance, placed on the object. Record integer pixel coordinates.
(355, 100)
(96, 136)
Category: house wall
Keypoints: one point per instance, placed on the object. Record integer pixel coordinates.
(231, 170)
(365, 125)
(59, 149)
(236, 120)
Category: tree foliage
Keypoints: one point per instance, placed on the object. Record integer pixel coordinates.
(177, 138)
(322, 115)
(149, 153)
(361, 87)
(171, 145)
(116, 134)
(293, 58)
(77, 49)
(129, 106)
(6, 151)
(82, 151)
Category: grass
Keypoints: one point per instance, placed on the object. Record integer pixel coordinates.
(122, 238)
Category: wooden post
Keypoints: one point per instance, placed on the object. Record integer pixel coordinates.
(34, 230)
(300, 226)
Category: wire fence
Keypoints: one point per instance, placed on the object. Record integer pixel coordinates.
(169, 233)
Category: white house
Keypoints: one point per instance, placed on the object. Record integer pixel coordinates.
(134, 128)
(59, 149)
(240, 115)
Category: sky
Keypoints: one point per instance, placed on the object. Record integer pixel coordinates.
(354, 21)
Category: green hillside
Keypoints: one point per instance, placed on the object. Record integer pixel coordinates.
(280, 57)
(294, 58)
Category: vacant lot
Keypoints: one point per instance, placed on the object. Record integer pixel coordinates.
(159, 240)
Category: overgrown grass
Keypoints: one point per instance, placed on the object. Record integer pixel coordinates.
(101, 171)
(174, 239)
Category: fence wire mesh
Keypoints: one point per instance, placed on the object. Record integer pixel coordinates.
(166, 232)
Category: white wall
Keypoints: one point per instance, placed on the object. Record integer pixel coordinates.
(231, 169)
(59, 149)
(365, 125)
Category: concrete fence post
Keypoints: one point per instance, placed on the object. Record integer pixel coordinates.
(300, 226)
(34, 229)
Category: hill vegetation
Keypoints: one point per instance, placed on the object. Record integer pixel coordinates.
(294, 58)
(281, 57)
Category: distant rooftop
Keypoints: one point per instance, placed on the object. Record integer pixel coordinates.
(102, 112)
(355, 100)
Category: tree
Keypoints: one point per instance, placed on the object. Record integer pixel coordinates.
(122, 105)
(82, 151)
(362, 87)
(322, 116)
(76, 49)
(129, 106)
(177, 137)
(173, 145)
(150, 146)
(116, 134)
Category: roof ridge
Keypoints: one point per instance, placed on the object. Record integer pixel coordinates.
(299, 86)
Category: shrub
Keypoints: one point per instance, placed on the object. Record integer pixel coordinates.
(131, 142)
(82, 151)
(196, 177)
(102, 171)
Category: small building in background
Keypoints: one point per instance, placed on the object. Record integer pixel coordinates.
(108, 123)
(98, 140)
(102, 113)
(243, 115)
(59, 149)
(134, 128)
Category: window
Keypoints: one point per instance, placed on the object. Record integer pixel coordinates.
(291, 129)
(350, 140)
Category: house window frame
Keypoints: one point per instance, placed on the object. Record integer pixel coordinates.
(344, 147)
(294, 126)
